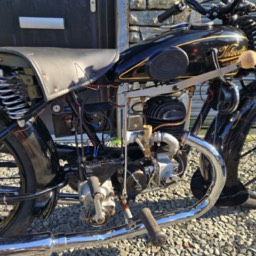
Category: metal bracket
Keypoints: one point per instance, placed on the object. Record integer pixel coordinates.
(93, 5)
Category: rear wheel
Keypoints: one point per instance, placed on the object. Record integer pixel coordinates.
(16, 177)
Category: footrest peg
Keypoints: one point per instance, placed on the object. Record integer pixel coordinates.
(157, 236)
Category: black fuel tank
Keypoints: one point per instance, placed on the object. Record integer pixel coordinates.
(181, 53)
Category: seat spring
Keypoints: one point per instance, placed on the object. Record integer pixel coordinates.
(13, 97)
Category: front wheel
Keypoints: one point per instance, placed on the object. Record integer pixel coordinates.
(16, 177)
(234, 136)
(240, 155)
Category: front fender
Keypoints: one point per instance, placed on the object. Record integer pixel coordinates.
(227, 129)
(227, 133)
(226, 124)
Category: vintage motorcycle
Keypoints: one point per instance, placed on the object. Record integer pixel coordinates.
(140, 96)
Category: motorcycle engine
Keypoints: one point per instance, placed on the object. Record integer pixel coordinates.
(165, 114)
(162, 168)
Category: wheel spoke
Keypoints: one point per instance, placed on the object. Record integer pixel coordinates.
(9, 189)
(250, 182)
(12, 178)
(9, 184)
(9, 164)
(248, 152)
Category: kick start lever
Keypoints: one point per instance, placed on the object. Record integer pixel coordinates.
(157, 236)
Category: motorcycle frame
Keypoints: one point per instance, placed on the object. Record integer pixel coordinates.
(182, 85)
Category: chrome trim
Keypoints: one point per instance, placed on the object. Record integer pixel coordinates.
(173, 143)
(169, 140)
(41, 23)
(46, 242)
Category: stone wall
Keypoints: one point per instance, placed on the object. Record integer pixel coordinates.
(143, 18)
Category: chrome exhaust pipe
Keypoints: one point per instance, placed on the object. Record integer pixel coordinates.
(47, 242)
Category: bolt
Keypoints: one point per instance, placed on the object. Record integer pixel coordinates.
(21, 123)
(120, 171)
(120, 179)
(131, 201)
(175, 88)
(100, 220)
(82, 198)
(56, 108)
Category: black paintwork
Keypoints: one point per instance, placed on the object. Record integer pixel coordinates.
(39, 146)
(196, 42)
(45, 163)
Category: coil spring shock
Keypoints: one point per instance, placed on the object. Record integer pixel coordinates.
(248, 25)
(13, 97)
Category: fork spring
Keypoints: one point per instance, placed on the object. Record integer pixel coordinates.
(248, 25)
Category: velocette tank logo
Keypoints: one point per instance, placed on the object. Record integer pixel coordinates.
(230, 53)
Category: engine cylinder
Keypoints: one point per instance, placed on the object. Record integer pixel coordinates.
(166, 113)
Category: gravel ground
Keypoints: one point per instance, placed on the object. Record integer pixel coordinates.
(222, 231)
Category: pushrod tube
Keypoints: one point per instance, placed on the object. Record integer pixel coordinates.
(47, 242)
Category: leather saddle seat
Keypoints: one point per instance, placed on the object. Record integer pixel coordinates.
(60, 70)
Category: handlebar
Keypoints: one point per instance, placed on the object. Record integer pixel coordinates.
(213, 13)
(177, 8)
(196, 6)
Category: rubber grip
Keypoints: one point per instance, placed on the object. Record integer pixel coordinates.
(157, 236)
(174, 10)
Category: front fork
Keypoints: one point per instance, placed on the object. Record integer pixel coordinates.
(218, 134)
